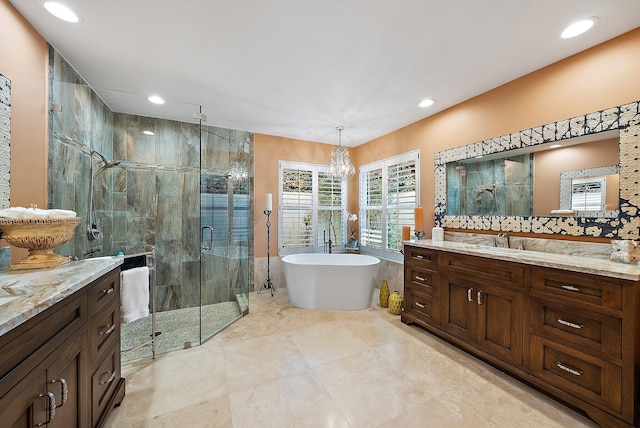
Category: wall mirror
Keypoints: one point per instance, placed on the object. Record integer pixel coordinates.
(519, 182)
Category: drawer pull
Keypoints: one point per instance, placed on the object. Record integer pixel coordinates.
(420, 305)
(479, 297)
(65, 391)
(570, 288)
(419, 278)
(112, 376)
(108, 290)
(469, 298)
(51, 409)
(569, 369)
(110, 329)
(418, 256)
(570, 324)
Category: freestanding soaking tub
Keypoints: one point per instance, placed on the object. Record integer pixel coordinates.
(330, 281)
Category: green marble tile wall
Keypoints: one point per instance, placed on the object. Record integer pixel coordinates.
(152, 198)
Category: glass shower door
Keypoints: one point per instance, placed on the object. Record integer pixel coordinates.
(224, 227)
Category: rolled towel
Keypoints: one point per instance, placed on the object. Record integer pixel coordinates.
(134, 293)
(14, 212)
(563, 212)
(37, 213)
(59, 214)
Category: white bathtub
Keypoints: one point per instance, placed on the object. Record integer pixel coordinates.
(330, 281)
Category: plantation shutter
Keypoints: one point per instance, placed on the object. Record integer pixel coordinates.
(588, 194)
(312, 208)
(388, 194)
(297, 208)
(401, 200)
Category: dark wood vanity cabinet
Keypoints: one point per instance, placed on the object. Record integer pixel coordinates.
(48, 363)
(575, 336)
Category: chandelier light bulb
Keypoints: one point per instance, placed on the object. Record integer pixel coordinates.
(340, 165)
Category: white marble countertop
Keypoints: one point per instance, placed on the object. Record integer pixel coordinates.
(553, 260)
(29, 292)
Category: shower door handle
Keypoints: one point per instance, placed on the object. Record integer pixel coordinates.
(203, 245)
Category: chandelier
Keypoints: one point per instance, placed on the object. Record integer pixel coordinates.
(340, 165)
(238, 172)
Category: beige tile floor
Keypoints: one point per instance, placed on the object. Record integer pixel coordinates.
(286, 367)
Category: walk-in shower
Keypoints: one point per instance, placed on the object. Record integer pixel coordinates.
(179, 178)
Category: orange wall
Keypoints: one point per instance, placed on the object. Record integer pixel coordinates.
(549, 163)
(23, 59)
(269, 151)
(601, 77)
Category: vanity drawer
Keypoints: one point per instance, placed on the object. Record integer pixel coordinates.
(103, 383)
(591, 289)
(420, 279)
(105, 327)
(422, 257)
(482, 268)
(421, 304)
(580, 374)
(105, 291)
(596, 331)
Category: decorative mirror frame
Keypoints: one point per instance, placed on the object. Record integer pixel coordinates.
(625, 118)
(5, 141)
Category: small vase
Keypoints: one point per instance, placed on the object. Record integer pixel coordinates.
(384, 294)
(395, 303)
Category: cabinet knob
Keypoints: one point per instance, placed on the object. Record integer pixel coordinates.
(108, 290)
(51, 409)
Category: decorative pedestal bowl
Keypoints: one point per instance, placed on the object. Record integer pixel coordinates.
(40, 237)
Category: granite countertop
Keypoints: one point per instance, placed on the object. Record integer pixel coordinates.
(26, 293)
(573, 263)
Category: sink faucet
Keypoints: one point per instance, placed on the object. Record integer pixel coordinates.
(92, 252)
(502, 240)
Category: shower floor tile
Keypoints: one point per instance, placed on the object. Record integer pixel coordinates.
(280, 366)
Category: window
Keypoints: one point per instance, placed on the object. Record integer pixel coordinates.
(389, 191)
(312, 208)
(588, 194)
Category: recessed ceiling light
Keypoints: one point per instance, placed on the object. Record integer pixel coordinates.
(426, 102)
(578, 27)
(61, 11)
(156, 99)
(555, 146)
(147, 132)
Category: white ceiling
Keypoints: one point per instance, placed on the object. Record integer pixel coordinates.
(299, 68)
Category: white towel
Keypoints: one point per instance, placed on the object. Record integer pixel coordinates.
(134, 293)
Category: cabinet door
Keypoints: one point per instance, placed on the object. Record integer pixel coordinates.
(23, 406)
(500, 323)
(64, 380)
(460, 310)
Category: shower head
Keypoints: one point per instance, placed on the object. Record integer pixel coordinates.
(107, 163)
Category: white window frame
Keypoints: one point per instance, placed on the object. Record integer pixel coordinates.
(579, 199)
(315, 208)
(384, 165)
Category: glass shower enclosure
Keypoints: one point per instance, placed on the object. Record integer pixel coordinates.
(179, 189)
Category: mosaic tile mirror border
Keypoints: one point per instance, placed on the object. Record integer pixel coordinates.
(625, 118)
(5, 139)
